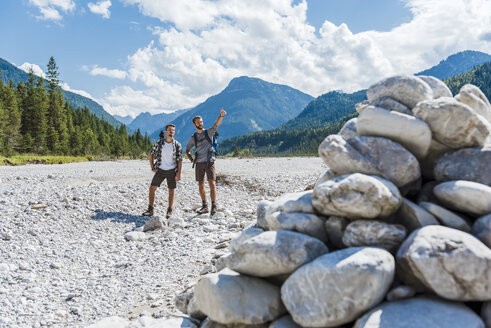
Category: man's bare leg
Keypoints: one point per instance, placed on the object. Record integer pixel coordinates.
(171, 197)
(213, 190)
(151, 195)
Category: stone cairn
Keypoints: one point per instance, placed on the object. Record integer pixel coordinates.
(396, 233)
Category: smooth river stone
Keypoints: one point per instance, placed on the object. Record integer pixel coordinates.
(406, 89)
(465, 196)
(412, 133)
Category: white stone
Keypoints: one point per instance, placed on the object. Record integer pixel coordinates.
(370, 155)
(446, 217)
(453, 123)
(306, 223)
(465, 196)
(420, 312)
(473, 97)
(374, 233)
(438, 87)
(406, 89)
(338, 287)
(229, 298)
(135, 236)
(412, 133)
(274, 253)
(448, 262)
(356, 196)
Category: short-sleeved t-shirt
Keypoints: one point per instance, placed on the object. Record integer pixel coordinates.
(204, 146)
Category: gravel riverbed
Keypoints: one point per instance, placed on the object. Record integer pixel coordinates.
(64, 260)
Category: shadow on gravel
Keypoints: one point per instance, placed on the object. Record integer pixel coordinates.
(138, 220)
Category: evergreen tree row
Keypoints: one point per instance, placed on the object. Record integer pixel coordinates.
(35, 118)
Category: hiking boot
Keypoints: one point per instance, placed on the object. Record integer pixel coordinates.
(213, 209)
(149, 212)
(203, 209)
(169, 212)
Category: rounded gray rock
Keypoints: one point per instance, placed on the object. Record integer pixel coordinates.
(244, 235)
(391, 104)
(230, 298)
(400, 292)
(306, 223)
(465, 196)
(412, 133)
(374, 233)
(370, 155)
(274, 253)
(356, 196)
(453, 123)
(447, 217)
(349, 129)
(420, 312)
(406, 89)
(473, 97)
(471, 164)
(338, 287)
(450, 263)
(438, 87)
(482, 229)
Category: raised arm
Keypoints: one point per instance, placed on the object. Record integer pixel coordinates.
(220, 117)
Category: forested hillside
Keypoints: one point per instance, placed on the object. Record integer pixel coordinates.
(279, 142)
(479, 76)
(325, 110)
(11, 72)
(456, 64)
(36, 118)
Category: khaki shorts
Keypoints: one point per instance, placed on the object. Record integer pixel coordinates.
(201, 169)
(161, 175)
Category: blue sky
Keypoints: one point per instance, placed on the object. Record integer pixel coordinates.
(162, 55)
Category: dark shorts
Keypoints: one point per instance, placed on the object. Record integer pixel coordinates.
(201, 169)
(161, 175)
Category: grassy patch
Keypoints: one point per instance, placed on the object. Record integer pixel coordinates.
(39, 159)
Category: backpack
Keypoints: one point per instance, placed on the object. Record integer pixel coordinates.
(213, 141)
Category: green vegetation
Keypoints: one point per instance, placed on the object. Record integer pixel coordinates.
(36, 119)
(39, 159)
(10, 72)
(480, 76)
(326, 109)
(278, 142)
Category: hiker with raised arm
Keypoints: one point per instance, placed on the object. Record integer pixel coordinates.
(204, 160)
(166, 161)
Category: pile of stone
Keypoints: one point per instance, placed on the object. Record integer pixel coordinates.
(396, 233)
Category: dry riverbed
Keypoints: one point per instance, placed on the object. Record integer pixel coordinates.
(64, 261)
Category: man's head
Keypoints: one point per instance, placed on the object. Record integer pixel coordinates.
(170, 130)
(198, 122)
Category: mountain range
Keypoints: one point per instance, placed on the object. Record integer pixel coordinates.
(456, 64)
(148, 123)
(251, 104)
(9, 71)
(324, 114)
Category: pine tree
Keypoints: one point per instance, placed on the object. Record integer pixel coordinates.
(34, 107)
(11, 118)
(57, 138)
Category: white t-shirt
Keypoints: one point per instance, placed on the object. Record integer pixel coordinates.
(167, 162)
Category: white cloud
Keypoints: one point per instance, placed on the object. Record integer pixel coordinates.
(100, 8)
(50, 9)
(210, 42)
(35, 68)
(113, 73)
